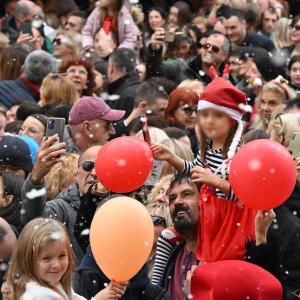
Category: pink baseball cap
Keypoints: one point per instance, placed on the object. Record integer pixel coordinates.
(91, 108)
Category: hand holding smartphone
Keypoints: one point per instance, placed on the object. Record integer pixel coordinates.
(56, 126)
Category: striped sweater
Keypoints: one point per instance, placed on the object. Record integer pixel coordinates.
(214, 159)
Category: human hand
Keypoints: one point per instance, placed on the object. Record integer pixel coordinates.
(158, 39)
(47, 156)
(263, 221)
(161, 152)
(187, 285)
(112, 292)
(99, 190)
(104, 47)
(203, 175)
(25, 37)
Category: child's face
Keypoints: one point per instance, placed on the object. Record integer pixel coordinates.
(52, 262)
(214, 124)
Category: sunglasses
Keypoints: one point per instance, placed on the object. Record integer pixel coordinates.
(188, 110)
(296, 27)
(214, 49)
(88, 165)
(57, 41)
(159, 221)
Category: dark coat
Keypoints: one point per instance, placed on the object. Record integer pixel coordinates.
(14, 90)
(258, 40)
(280, 255)
(88, 280)
(125, 87)
(64, 208)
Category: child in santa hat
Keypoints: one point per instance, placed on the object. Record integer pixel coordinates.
(225, 224)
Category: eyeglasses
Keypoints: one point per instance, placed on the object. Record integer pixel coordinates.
(214, 49)
(88, 165)
(157, 220)
(75, 70)
(108, 126)
(57, 41)
(188, 110)
(296, 27)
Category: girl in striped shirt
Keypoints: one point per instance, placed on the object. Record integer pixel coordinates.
(220, 111)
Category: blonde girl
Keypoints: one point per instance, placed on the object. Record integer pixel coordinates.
(273, 95)
(42, 264)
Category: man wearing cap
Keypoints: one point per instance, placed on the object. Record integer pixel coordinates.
(90, 124)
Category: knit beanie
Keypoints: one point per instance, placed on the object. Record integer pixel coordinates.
(15, 152)
(234, 280)
(221, 95)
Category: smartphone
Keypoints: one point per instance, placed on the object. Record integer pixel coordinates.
(56, 126)
(169, 37)
(294, 145)
(27, 28)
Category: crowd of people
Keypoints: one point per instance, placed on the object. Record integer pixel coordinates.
(208, 77)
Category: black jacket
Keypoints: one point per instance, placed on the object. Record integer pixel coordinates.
(88, 280)
(125, 87)
(280, 255)
(14, 90)
(9, 27)
(254, 39)
(86, 211)
(176, 70)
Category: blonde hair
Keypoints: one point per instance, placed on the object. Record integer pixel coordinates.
(181, 149)
(157, 187)
(58, 88)
(23, 267)
(285, 93)
(61, 174)
(160, 210)
(4, 41)
(71, 39)
(283, 128)
(195, 85)
(281, 37)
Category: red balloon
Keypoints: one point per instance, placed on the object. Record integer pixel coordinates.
(262, 174)
(124, 164)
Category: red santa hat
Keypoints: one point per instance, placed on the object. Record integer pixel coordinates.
(234, 280)
(223, 96)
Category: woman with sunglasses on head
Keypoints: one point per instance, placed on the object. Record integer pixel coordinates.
(294, 49)
(181, 112)
(66, 43)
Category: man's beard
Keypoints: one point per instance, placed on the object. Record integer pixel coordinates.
(185, 225)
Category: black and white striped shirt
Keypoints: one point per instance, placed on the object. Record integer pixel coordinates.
(214, 159)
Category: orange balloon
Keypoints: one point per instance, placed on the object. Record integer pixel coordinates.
(121, 237)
